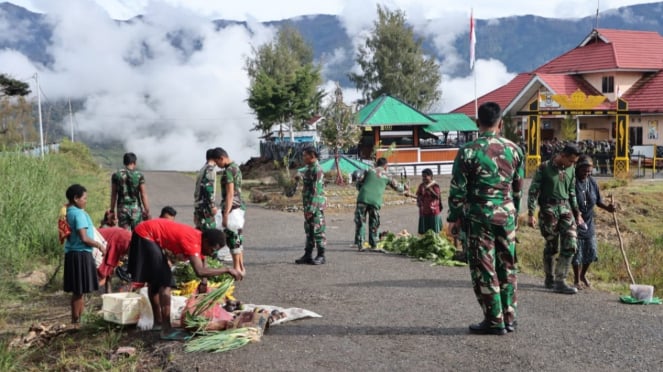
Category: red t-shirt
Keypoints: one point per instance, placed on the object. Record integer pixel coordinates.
(173, 236)
(117, 240)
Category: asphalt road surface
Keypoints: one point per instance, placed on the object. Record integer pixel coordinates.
(389, 313)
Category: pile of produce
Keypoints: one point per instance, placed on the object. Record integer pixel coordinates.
(429, 247)
(219, 341)
(183, 271)
(216, 341)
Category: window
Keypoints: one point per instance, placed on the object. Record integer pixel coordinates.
(608, 84)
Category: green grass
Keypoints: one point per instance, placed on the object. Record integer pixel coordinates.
(30, 205)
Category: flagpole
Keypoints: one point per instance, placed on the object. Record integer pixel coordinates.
(476, 104)
(473, 41)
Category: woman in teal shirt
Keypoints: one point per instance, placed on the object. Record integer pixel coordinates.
(80, 273)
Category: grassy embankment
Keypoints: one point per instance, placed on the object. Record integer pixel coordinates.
(34, 191)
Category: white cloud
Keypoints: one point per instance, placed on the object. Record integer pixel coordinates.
(166, 105)
(490, 74)
(169, 106)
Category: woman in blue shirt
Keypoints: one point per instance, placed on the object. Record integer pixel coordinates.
(588, 196)
(80, 272)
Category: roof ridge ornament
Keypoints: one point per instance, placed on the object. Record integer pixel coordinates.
(578, 100)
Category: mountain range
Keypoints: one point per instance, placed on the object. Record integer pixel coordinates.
(522, 43)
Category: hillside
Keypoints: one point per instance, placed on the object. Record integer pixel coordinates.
(521, 42)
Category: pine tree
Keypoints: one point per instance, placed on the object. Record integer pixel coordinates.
(393, 62)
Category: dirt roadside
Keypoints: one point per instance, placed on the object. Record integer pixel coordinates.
(385, 313)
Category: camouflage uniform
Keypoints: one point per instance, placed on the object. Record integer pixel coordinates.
(232, 174)
(554, 190)
(369, 201)
(203, 198)
(485, 192)
(314, 201)
(129, 205)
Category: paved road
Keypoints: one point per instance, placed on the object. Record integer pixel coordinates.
(389, 313)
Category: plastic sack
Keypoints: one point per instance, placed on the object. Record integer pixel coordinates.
(235, 220)
(96, 253)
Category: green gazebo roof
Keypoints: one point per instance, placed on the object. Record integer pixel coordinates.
(346, 164)
(388, 110)
(451, 123)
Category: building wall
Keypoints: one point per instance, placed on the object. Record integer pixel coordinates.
(623, 80)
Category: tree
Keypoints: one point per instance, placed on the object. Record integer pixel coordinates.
(339, 129)
(283, 81)
(16, 122)
(393, 62)
(510, 129)
(13, 87)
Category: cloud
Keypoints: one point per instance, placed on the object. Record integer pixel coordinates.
(490, 74)
(169, 85)
(166, 103)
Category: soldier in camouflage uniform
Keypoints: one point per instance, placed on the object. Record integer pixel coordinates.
(371, 186)
(204, 208)
(484, 198)
(231, 199)
(314, 201)
(129, 205)
(553, 188)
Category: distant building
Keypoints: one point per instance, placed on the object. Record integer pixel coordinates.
(608, 63)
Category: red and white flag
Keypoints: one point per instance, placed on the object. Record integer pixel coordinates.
(473, 40)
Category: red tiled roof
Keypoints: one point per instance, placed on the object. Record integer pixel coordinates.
(647, 94)
(502, 95)
(601, 50)
(606, 49)
(567, 84)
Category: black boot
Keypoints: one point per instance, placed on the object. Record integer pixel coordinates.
(320, 258)
(305, 259)
(548, 270)
(484, 328)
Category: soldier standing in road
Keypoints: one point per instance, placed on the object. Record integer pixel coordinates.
(484, 198)
(314, 201)
(554, 189)
(129, 204)
(371, 188)
(231, 199)
(204, 208)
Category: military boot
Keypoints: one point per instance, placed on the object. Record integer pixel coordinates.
(320, 258)
(305, 259)
(561, 271)
(548, 269)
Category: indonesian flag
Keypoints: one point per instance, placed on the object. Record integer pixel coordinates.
(473, 40)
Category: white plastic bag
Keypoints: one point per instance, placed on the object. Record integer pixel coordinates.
(96, 253)
(235, 220)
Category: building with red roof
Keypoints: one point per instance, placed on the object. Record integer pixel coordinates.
(606, 63)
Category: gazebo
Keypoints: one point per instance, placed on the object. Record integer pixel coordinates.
(414, 137)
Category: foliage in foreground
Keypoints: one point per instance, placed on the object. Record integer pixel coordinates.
(35, 192)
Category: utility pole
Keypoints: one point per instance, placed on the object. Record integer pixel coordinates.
(41, 125)
(71, 121)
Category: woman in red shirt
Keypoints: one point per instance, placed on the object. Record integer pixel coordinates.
(429, 202)
(156, 241)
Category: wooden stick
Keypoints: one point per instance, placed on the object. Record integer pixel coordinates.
(621, 242)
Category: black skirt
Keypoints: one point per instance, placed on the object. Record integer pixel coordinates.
(148, 264)
(80, 273)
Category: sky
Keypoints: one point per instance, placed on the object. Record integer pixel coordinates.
(199, 100)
